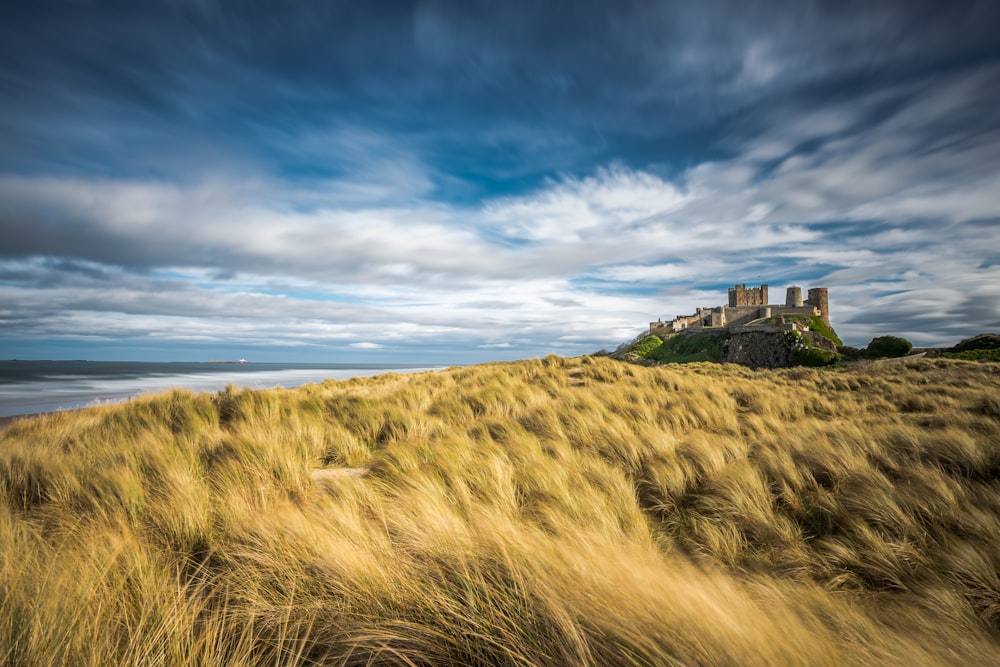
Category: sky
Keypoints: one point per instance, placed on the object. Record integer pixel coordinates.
(454, 182)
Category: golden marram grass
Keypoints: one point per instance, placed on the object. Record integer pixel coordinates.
(545, 512)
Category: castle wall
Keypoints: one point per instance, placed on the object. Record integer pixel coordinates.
(679, 323)
(741, 315)
(684, 321)
(738, 315)
(790, 310)
(768, 328)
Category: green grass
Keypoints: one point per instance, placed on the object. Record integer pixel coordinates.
(814, 357)
(807, 354)
(984, 341)
(647, 345)
(687, 348)
(545, 512)
(817, 324)
(974, 355)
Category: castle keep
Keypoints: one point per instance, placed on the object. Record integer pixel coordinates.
(741, 296)
(749, 310)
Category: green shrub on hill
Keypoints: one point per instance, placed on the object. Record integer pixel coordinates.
(882, 347)
(806, 353)
(814, 356)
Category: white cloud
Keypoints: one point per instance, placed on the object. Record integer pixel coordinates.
(366, 346)
(647, 274)
(573, 210)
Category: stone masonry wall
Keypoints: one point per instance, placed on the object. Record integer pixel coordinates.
(759, 349)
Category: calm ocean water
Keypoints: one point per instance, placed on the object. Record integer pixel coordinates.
(44, 386)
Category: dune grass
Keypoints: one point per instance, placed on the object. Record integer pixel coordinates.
(545, 512)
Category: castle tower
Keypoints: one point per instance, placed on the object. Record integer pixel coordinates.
(793, 297)
(818, 297)
(741, 296)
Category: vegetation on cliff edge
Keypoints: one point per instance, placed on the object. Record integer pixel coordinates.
(814, 322)
(984, 347)
(545, 512)
(805, 353)
(688, 348)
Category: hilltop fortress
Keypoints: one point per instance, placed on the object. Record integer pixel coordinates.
(748, 310)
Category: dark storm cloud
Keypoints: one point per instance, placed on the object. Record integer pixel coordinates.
(503, 81)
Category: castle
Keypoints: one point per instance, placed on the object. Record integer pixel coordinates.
(748, 310)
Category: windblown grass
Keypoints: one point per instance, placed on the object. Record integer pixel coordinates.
(547, 512)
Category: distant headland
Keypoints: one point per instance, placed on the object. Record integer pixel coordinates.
(750, 331)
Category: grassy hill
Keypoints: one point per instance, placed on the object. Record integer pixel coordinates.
(545, 512)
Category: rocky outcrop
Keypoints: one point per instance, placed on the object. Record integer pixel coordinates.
(759, 349)
(984, 341)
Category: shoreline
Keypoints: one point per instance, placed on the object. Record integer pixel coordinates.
(60, 388)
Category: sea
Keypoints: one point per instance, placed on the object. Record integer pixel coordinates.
(29, 387)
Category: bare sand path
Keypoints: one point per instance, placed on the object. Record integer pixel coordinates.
(323, 474)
